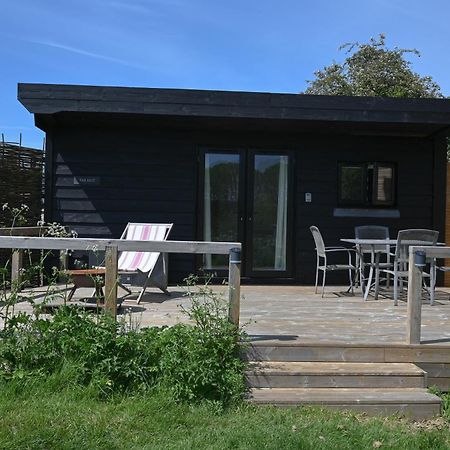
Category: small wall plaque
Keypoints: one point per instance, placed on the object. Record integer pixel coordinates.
(86, 180)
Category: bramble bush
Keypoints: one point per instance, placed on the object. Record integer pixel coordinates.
(194, 362)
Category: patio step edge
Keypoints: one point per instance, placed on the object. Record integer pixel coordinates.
(273, 374)
(332, 353)
(415, 403)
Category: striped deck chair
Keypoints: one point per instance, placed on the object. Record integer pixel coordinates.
(152, 266)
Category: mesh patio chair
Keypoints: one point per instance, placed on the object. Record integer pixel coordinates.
(405, 239)
(322, 261)
(363, 252)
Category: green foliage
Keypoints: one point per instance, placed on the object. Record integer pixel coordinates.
(202, 362)
(53, 415)
(372, 69)
(445, 397)
(102, 351)
(194, 362)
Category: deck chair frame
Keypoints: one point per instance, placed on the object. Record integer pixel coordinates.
(158, 274)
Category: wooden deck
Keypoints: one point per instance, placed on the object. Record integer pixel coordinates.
(294, 314)
(339, 351)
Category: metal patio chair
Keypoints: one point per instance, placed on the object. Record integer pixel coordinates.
(323, 266)
(368, 251)
(405, 239)
(152, 267)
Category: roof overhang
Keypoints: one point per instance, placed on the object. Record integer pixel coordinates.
(230, 109)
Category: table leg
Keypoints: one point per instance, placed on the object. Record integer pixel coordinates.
(432, 280)
(369, 282)
(377, 274)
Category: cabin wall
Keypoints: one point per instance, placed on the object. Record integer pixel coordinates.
(317, 173)
(147, 175)
(124, 177)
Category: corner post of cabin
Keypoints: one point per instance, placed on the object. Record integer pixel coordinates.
(234, 285)
(16, 268)
(414, 311)
(111, 274)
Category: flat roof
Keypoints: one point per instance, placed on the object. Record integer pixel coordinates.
(51, 99)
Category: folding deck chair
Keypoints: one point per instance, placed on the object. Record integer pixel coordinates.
(152, 266)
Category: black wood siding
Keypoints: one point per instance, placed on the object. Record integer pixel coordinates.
(317, 173)
(151, 176)
(141, 179)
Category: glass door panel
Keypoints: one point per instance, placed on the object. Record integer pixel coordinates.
(221, 204)
(268, 223)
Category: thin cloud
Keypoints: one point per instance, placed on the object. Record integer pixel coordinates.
(132, 7)
(147, 6)
(80, 51)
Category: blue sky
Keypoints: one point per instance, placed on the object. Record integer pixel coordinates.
(251, 45)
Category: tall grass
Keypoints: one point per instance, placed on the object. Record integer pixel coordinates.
(53, 414)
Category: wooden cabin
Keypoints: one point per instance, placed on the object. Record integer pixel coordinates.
(259, 168)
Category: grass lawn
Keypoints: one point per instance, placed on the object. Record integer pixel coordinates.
(49, 415)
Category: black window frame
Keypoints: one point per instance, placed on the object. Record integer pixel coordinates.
(367, 202)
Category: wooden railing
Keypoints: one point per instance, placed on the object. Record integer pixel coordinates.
(16, 260)
(113, 246)
(414, 317)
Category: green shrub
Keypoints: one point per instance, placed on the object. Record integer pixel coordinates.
(103, 352)
(194, 362)
(445, 397)
(203, 361)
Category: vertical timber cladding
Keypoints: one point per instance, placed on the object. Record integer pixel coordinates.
(105, 177)
(317, 174)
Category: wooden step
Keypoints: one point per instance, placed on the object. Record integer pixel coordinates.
(279, 374)
(414, 403)
(285, 351)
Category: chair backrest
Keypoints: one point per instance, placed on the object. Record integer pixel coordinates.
(372, 232)
(143, 261)
(318, 240)
(406, 238)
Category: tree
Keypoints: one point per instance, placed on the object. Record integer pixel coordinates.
(372, 69)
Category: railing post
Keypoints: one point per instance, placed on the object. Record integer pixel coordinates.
(16, 268)
(234, 285)
(414, 301)
(63, 263)
(111, 281)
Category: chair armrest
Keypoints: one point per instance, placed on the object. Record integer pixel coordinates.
(339, 249)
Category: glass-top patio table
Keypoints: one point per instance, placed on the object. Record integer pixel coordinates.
(376, 246)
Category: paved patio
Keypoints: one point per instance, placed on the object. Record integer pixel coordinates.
(295, 313)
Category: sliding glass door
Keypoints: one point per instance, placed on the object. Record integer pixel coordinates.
(220, 203)
(246, 198)
(269, 213)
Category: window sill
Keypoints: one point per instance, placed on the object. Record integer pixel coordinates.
(366, 212)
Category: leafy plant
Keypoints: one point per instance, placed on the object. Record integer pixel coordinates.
(34, 265)
(193, 362)
(445, 397)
